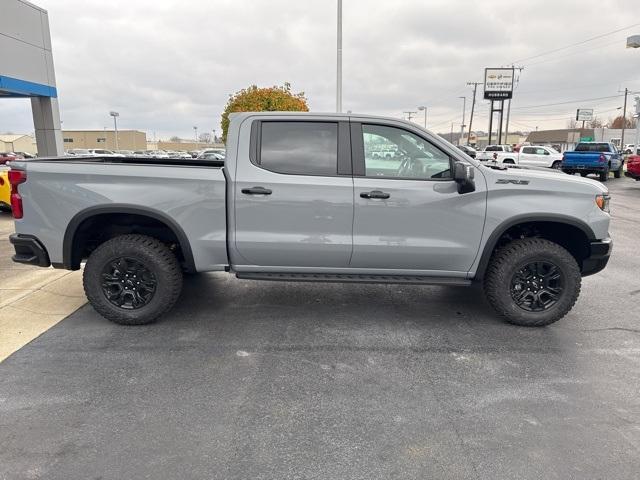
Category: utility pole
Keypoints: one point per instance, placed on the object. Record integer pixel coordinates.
(506, 128)
(339, 60)
(462, 125)
(636, 145)
(451, 133)
(473, 105)
(624, 119)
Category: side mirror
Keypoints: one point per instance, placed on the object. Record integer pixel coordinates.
(463, 175)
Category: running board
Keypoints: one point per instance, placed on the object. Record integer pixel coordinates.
(352, 278)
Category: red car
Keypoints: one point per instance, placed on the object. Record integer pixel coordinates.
(8, 156)
(633, 167)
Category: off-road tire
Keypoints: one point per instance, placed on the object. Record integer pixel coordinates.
(604, 176)
(155, 256)
(509, 259)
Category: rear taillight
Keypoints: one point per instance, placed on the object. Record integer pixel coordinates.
(602, 158)
(495, 156)
(16, 177)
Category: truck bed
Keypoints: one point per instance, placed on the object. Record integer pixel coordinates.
(190, 194)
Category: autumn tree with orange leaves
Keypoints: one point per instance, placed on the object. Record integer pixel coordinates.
(271, 99)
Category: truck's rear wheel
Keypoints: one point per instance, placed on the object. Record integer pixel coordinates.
(532, 282)
(618, 173)
(132, 279)
(604, 176)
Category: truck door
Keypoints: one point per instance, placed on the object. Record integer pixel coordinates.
(408, 212)
(294, 195)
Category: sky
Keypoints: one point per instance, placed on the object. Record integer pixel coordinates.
(167, 66)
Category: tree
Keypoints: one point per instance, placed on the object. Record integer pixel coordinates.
(271, 99)
(204, 137)
(174, 139)
(619, 120)
(572, 123)
(596, 123)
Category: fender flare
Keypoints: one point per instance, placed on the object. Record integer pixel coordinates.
(78, 218)
(492, 241)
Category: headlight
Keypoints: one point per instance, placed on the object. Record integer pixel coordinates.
(602, 201)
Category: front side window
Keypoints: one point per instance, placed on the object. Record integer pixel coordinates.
(299, 148)
(392, 152)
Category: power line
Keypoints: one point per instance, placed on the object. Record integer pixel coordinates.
(576, 44)
(565, 103)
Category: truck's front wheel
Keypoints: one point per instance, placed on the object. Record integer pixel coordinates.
(132, 279)
(532, 282)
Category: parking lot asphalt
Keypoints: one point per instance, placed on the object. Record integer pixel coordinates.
(267, 380)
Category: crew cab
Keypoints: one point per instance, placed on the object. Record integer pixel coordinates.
(594, 157)
(300, 197)
(530, 156)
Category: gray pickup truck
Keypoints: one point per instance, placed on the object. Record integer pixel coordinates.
(301, 197)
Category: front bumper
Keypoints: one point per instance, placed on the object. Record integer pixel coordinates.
(29, 250)
(597, 260)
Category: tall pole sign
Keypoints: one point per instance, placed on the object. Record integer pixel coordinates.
(498, 87)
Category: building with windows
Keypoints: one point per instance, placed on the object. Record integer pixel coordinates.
(127, 139)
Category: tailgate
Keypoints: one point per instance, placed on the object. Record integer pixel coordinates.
(575, 159)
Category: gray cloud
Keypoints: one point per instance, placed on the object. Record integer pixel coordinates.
(166, 66)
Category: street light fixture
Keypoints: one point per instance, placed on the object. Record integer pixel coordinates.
(425, 115)
(633, 41)
(115, 116)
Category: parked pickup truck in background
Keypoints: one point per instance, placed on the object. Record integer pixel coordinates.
(491, 152)
(300, 197)
(530, 156)
(594, 157)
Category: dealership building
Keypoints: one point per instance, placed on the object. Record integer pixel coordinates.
(26, 69)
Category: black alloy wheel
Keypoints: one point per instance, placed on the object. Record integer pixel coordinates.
(128, 283)
(537, 286)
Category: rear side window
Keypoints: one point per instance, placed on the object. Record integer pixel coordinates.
(528, 150)
(592, 147)
(299, 148)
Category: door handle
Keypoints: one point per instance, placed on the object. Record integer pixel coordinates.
(375, 194)
(256, 191)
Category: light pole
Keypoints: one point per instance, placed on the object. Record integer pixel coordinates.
(339, 60)
(425, 115)
(115, 115)
(195, 135)
(634, 42)
(464, 110)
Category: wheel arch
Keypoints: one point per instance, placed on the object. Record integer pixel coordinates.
(550, 225)
(71, 250)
